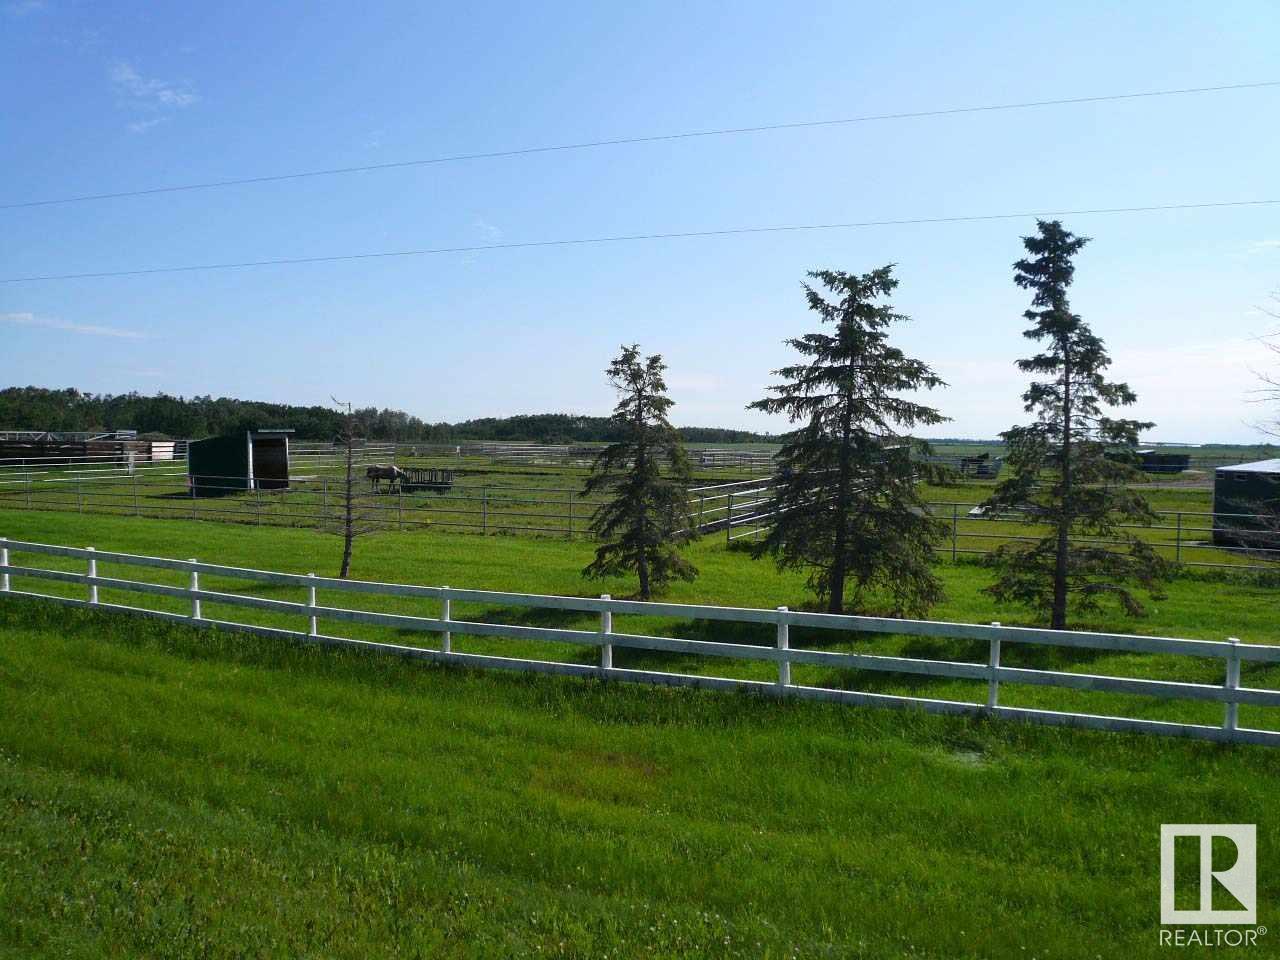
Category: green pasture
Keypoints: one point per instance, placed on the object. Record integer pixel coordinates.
(522, 498)
(1195, 608)
(173, 792)
(542, 500)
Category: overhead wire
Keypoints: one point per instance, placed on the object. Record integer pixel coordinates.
(634, 237)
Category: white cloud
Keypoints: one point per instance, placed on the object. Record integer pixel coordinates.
(51, 323)
(151, 90)
(20, 8)
(1202, 391)
(1262, 245)
(488, 230)
(151, 96)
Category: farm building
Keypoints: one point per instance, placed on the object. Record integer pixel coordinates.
(1153, 461)
(258, 459)
(1245, 495)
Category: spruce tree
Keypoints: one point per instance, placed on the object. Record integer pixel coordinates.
(1061, 475)
(646, 477)
(847, 506)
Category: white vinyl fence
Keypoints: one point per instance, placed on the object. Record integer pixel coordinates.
(1232, 654)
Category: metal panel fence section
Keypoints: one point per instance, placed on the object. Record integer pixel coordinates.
(313, 455)
(580, 455)
(94, 465)
(313, 501)
(304, 455)
(1183, 536)
(783, 652)
(743, 510)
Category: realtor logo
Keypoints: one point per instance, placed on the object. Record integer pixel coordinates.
(1236, 874)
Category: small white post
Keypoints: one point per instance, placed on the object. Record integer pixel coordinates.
(993, 684)
(195, 592)
(4, 562)
(93, 573)
(1231, 718)
(446, 614)
(311, 602)
(784, 644)
(606, 628)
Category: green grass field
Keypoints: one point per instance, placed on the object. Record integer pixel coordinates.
(542, 500)
(172, 792)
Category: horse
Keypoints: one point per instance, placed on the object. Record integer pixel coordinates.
(382, 471)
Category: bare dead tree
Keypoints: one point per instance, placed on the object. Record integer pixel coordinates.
(352, 519)
(1269, 392)
(1253, 520)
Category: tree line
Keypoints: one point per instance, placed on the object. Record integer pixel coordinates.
(37, 408)
(847, 507)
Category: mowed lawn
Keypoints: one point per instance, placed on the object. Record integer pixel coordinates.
(173, 792)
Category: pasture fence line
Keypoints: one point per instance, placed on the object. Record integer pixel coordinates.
(54, 467)
(1186, 537)
(188, 604)
(737, 510)
(578, 455)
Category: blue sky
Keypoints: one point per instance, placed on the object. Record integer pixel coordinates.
(99, 97)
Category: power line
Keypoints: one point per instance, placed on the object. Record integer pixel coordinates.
(626, 141)
(631, 237)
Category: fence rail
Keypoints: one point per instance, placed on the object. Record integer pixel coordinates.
(782, 652)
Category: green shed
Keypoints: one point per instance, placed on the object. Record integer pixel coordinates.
(1246, 505)
(258, 459)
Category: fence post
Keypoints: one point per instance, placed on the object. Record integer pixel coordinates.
(4, 562)
(728, 520)
(1231, 716)
(606, 628)
(324, 492)
(29, 493)
(311, 602)
(257, 502)
(784, 644)
(571, 516)
(93, 573)
(484, 509)
(993, 684)
(195, 592)
(446, 614)
(79, 495)
(955, 531)
(1177, 555)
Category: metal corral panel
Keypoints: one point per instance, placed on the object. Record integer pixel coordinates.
(1252, 489)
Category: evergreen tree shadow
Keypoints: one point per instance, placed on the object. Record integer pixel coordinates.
(1033, 656)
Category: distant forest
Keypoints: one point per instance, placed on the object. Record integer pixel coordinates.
(36, 408)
